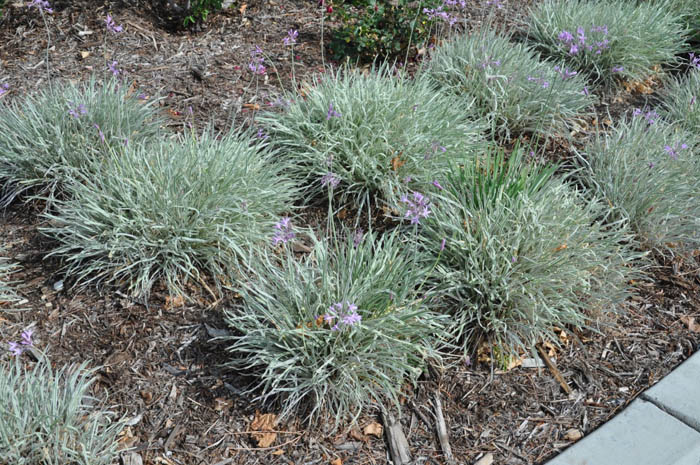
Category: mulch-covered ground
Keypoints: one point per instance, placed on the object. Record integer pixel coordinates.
(159, 365)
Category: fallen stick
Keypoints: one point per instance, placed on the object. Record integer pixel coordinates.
(442, 429)
(398, 445)
(555, 371)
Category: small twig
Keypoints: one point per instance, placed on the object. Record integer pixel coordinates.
(398, 445)
(291, 441)
(442, 429)
(555, 371)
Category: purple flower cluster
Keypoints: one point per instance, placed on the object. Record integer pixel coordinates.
(18, 347)
(565, 73)
(342, 314)
(488, 62)
(77, 111)
(435, 147)
(418, 207)
(330, 179)
(578, 44)
(291, 38)
(694, 60)
(99, 132)
(332, 113)
(256, 62)
(440, 13)
(673, 151)
(111, 26)
(496, 3)
(283, 232)
(42, 5)
(113, 68)
(4, 88)
(651, 116)
(357, 237)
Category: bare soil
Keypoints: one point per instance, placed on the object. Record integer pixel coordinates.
(160, 366)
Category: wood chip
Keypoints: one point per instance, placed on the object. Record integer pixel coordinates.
(573, 435)
(398, 445)
(442, 429)
(373, 429)
(485, 460)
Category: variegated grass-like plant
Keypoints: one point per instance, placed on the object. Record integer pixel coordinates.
(45, 418)
(179, 210)
(610, 40)
(45, 138)
(336, 333)
(679, 103)
(523, 252)
(511, 87)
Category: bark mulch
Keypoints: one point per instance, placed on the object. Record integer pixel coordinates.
(160, 367)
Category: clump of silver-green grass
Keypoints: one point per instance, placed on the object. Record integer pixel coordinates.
(680, 103)
(648, 173)
(338, 332)
(523, 252)
(45, 417)
(46, 137)
(511, 87)
(370, 134)
(180, 210)
(610, 40)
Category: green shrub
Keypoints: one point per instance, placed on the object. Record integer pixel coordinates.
(648, 175)
(171, 210)
(200, 9)
(523, 252)
(512, 88)
(45, 418)
(611, 40)
(47, 137)
(319, 366)
(688, 11)
(680, 105)
(379, 136)
(370, 28)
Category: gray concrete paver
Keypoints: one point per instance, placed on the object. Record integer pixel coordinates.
(679, 392)
(642, 434)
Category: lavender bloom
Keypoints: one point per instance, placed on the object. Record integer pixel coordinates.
(113, 68)
(651, 116)
(357, 237)
(418, 207)
(442, 244)
(566, 37)
(692, 100)
(695, 60)
(142, 96)
(99, 131)
(42, 5)
(673, 151)
(585, 91)
(16, 349)
(256, 62)
(345, 314)
(4, 88)
(330, 179)
(283, 232)
(496, 3)
(27, 337)
(617, 69)
(581, 33)
(351, 318)
(539, 80)
(111, 27)
(332, 113)
(603, 29)
(77, 111)
(565, 74)
(437, 184)
(261, 134)
(573, 50)
(291, 38)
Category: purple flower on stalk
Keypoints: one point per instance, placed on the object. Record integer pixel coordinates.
(256, 62)
(418, 207)
(99, 131)
(617, 69)
(283, 231)
(42, 5)
(437, 184)
(357, 237)
(442, 244)
(27, 337)
(565, 73)
(77, 111)
(111, 26)
(291, 38)
(496, 3)
(261, 134)
(694, 60)
(566, 37)
(585, 91)
(673, 151)
(330, 179)
(16, 349)
(692, 100)
(113, 68)
(573, 50)
(332, 113)
(539, 80)
(344, 314)
(4, 88)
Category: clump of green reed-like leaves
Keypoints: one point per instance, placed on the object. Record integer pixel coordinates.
(611, 40)
(688, 11)
(511, 87)
(680, 105)
(646, 171)
(44, 418)
(523, 252)
(335, 333)
(7, 294)
(370, 134)
(45, 138)
(171, 210)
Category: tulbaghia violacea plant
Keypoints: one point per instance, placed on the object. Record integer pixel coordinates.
(179, 210)
(45, 138)
(45, 419)
(521, 252)
(337, 332)
(680, 104)
(610, 40)
(372, 131)
(648, 173)
(515, 91)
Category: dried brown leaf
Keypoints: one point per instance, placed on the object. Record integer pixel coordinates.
(373, 429)
(263, 425)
